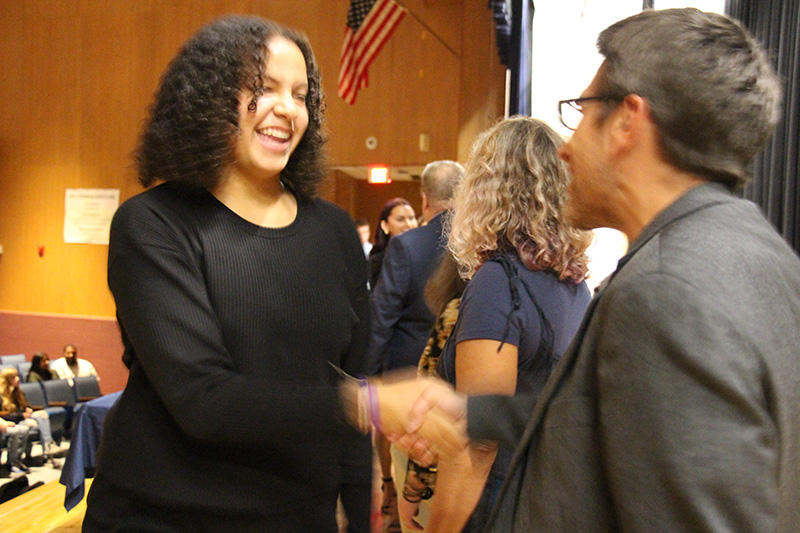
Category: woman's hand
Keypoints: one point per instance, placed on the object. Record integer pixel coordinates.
(28, 412)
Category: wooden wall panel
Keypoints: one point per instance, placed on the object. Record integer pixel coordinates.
(441, 18)
(411, 88)
(482, 74)
(42, 142)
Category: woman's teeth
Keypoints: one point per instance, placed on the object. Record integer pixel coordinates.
(275, 132)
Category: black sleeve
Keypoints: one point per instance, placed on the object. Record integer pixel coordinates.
(498, 417)
(354, 360)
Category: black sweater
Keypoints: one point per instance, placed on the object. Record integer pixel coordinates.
(228, 328)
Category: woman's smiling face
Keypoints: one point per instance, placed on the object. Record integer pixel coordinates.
(400, 219)
(268, 135)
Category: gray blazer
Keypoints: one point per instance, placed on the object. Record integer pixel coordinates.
(677, 406)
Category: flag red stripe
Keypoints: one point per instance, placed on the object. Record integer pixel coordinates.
(347, 54)
(377, 16)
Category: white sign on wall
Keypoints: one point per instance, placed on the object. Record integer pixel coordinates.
(88, 214)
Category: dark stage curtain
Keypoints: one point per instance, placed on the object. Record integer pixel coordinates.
(513, 24)
(774, 187)
(521, 27)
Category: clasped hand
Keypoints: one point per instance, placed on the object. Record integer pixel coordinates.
(424, 417)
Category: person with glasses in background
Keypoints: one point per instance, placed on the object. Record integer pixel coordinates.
(675, 408)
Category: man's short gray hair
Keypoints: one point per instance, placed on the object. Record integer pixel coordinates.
(439, 179)
(713, 95)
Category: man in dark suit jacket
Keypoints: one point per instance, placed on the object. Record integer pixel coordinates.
(676, 406)
(401, 320)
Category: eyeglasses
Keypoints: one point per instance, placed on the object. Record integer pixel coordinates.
(570, 112)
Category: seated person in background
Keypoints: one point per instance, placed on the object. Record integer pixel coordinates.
(17, 442)
(70, 366)
(16, 404)
(40, 368)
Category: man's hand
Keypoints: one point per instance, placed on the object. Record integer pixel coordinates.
(424, 417)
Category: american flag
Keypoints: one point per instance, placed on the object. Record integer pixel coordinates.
(370, 23)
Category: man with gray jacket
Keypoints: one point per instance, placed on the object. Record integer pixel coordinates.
(676, 406)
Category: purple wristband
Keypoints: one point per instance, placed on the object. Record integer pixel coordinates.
(374, 410)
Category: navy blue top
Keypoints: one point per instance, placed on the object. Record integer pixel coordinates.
(487, 312)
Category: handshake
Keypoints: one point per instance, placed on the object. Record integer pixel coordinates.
(424, 417)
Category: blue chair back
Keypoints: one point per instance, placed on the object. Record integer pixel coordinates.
(86, 388)
(24, 368)
(59, 391)
(12, 359)
(59, 416)
(34, 393)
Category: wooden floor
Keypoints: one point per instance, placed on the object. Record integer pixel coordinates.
(42, 510)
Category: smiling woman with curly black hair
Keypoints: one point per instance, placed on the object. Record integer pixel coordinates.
(196, 110)
(235, 288)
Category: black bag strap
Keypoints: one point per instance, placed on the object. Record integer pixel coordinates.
(546, 334)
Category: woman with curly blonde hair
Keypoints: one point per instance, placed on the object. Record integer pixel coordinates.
(511, 200)
(524, 300)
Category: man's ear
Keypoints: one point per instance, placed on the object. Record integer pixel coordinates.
(629, 121)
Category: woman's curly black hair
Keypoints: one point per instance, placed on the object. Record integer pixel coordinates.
(189, 136)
